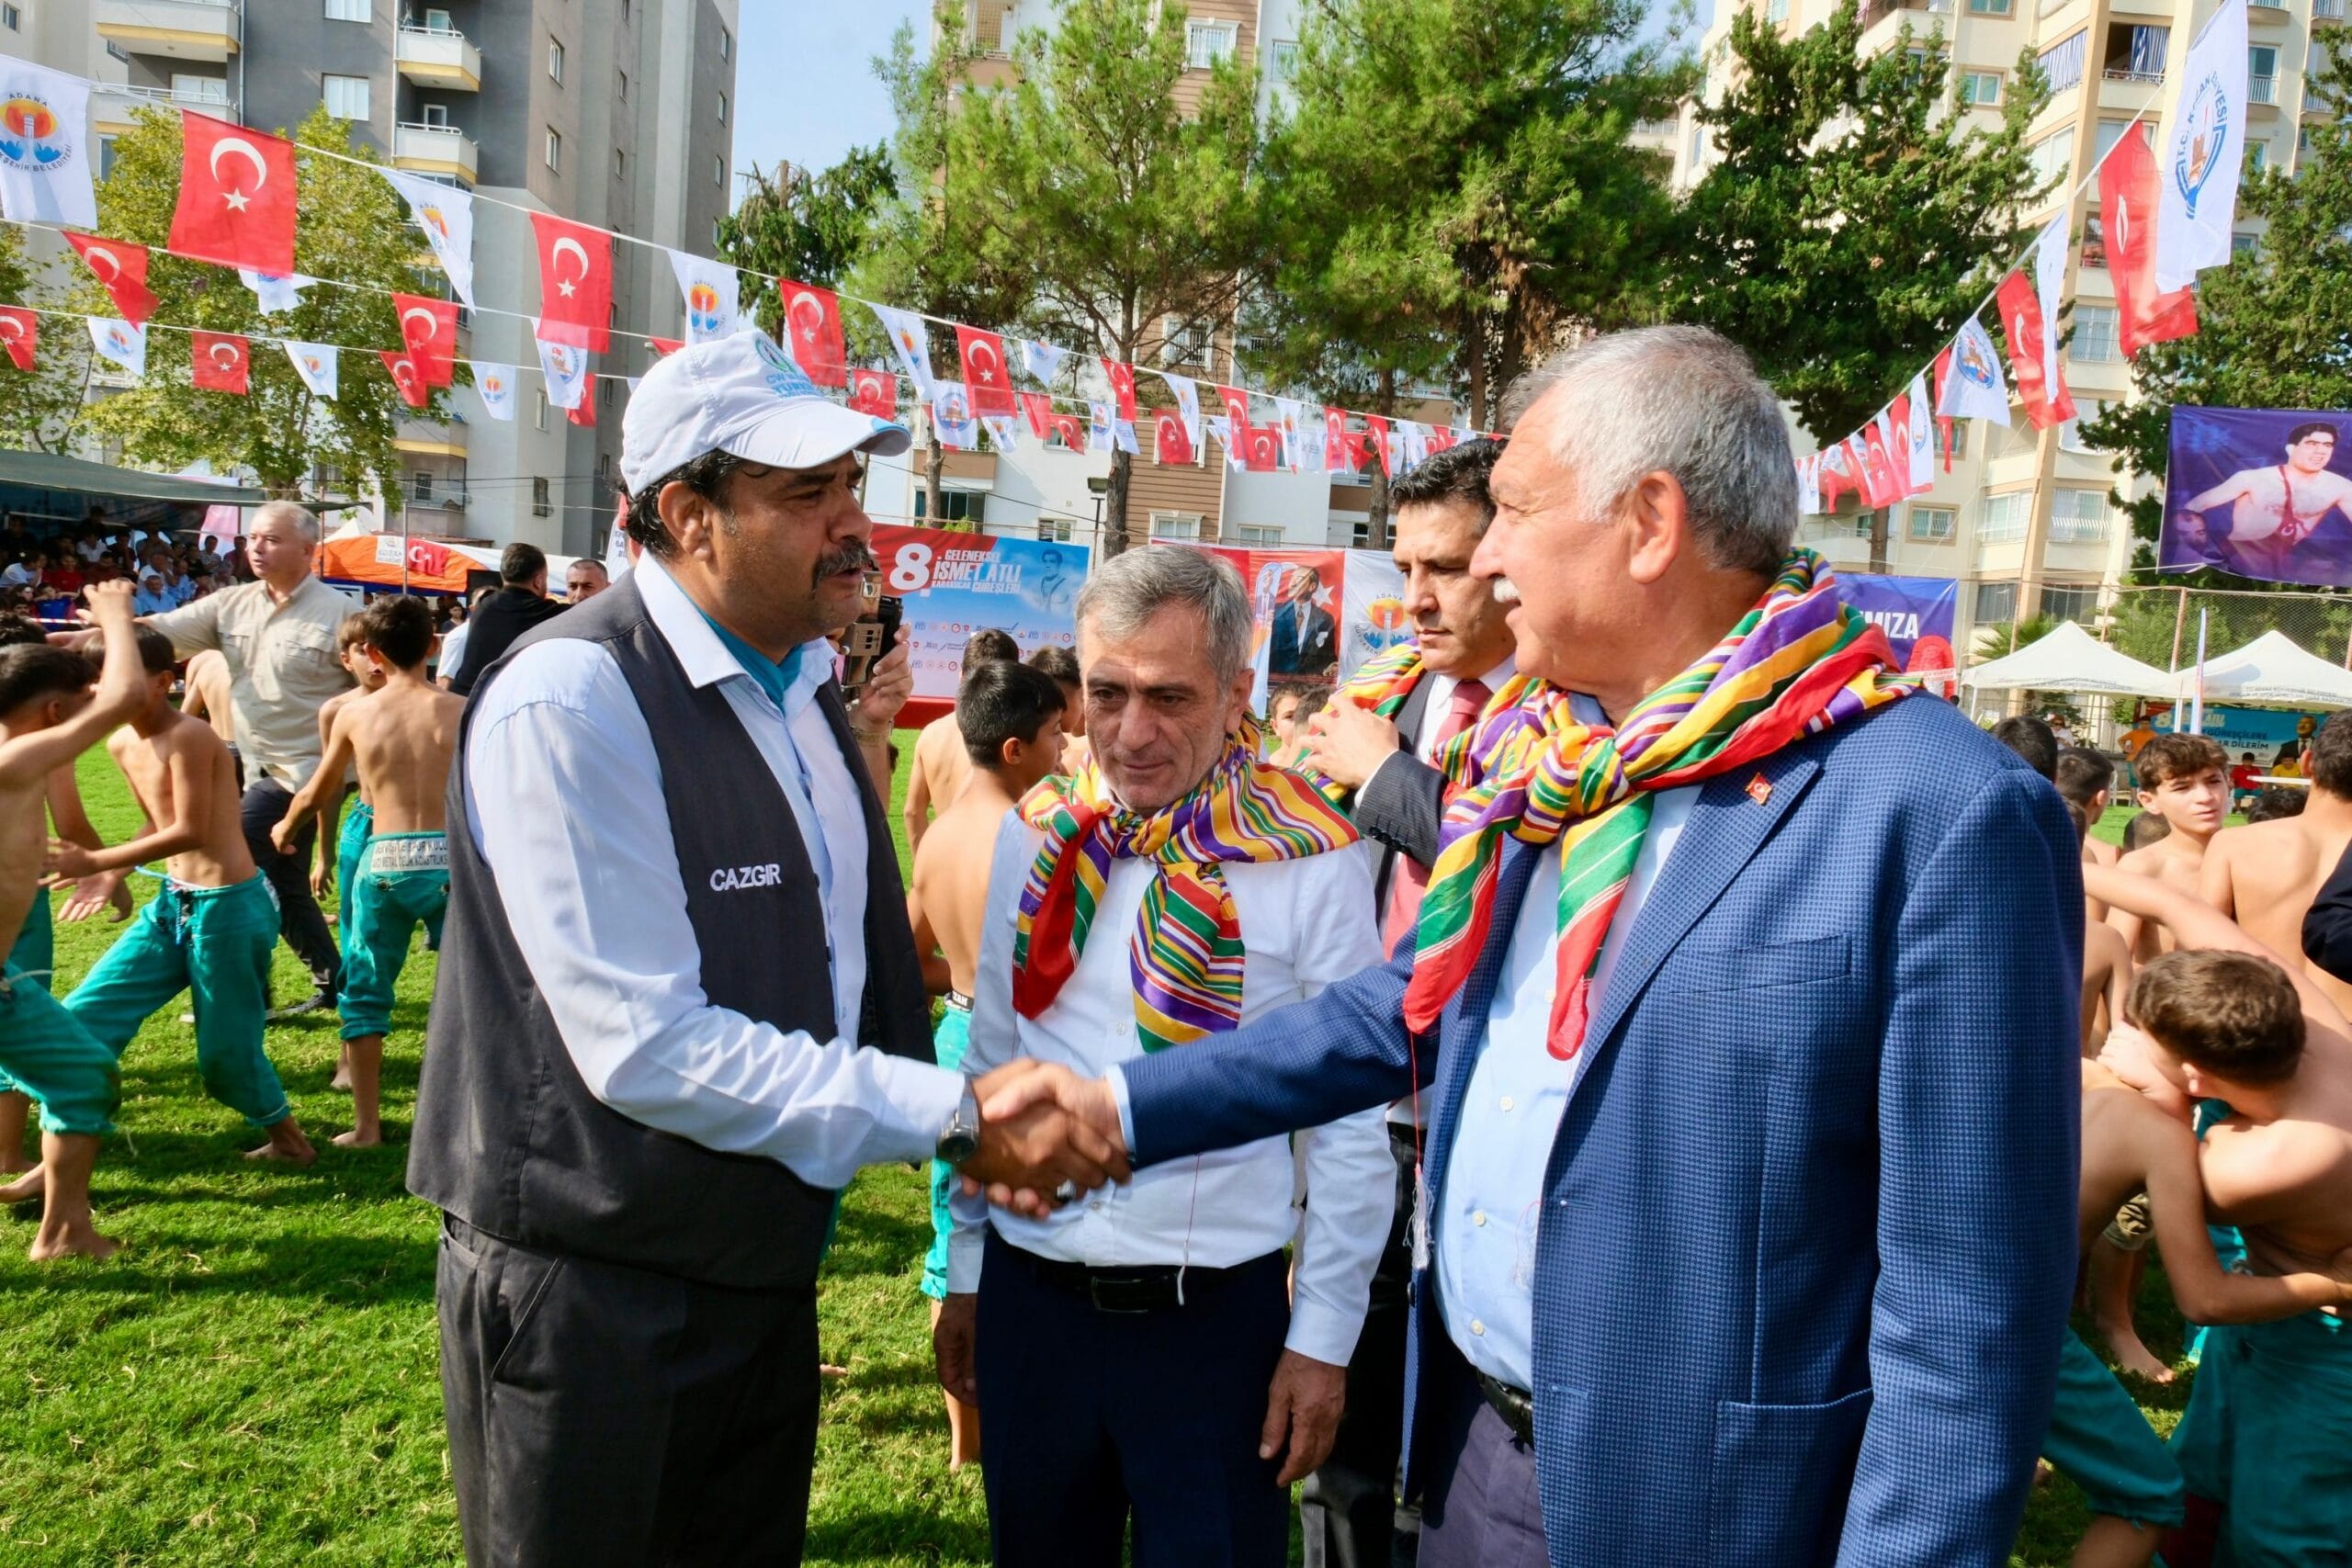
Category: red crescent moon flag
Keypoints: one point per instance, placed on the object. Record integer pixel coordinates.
(812, 331)
(1943, 419)
(1169, 442)
(1037, 408)
(986, 380)
(1898, 442)
(665, 347)
(122, 267)
(1857, 468)
(1261, 449)
(236, 203)
(406, 377)
(429, 327)
(1122, 388)
(215, 371)
(20, 335)
(874, 393)
(1375, 430)
(575, 282)
(2021, 325)
(1237, 408)
(584, 412)
(2128, 200)
(1072, 429)
(1335, 440)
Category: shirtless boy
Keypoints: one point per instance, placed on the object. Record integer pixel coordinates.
(2264, 875)
(2184, 780)
(402, 736)
(941, 767)
(2107, 958)
(357, 818)
(1009, 716)
(210, 930)
(205, 696)
(48, 716)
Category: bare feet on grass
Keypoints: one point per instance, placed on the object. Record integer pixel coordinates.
(2124, 1344)
(287, 1145)
(79, 1238)
(360, 1138)
(341, 1082)
(29, 1187)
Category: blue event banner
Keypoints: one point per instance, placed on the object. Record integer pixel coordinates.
(952, 584)
(2265, 493)
(1916, 613)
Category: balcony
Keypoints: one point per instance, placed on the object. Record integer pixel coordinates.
(179, 30)
(113, 104)
(2327, 10)
(440, 498)
(2262, 89)
(439, 57)
(2136, 78)
(434, 150)
(425, 438)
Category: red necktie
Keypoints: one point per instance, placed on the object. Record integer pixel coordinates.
(1410, 878)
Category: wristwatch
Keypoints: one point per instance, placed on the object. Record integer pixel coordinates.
(960, 1139)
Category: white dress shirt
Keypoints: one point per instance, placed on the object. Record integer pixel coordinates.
(283, 666)
(564, 799)
(1491, 1199)
(1306, 923)
(1433, 710)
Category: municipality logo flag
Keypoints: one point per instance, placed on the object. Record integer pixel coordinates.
(566, 368)
(1976, 390)
(709, 287)
(315, 363)
(494, 384)
(446, 216)
(45, 147)
(276, 291)
(1921, 431)
(119, 341)
(1042, 360)
(910, 340)
(2198, 191)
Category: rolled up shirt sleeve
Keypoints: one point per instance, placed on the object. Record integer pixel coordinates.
(193, 627)
(565, 801)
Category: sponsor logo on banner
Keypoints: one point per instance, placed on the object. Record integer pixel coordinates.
(702, 309)
(35, 135)
(1976, 363)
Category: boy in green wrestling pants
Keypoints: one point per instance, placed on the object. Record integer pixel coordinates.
(359, 817)
(402, 736)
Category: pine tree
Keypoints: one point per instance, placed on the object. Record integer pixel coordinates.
(808, 225)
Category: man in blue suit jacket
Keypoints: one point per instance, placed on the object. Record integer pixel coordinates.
(1773, 1269)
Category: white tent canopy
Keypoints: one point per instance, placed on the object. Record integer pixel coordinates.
(2272, 669)
(2071, 660)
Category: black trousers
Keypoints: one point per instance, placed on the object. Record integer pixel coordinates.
(600, 1415)
(302, 922)
(1482, 1509)
(1346, 1510)
(1089, 1418)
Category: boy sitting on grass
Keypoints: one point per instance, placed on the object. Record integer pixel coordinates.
(402, 736)
(48, 716)
(209, 931)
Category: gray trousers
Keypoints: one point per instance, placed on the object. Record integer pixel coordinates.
(601, 1414)
(1482, 1509)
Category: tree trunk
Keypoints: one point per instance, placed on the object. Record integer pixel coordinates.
(1376, 521)
(1114, 507)
(1881, 521)
(934, 459)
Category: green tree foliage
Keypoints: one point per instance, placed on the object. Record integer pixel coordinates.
(41, 407)
(1853, 218)
(351, 226)
(2274, 326)
(809, 226)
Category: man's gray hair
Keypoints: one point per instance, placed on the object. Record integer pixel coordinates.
(1127, 589)
(286, 512)
(1686, 400)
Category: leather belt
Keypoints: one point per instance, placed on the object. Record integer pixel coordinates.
(1137, 1290)
(1515, 1405)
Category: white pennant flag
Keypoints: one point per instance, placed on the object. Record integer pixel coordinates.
(1923, 437)
(446, 216)
(2196, 167)
(1222, 428)
(1413, 444)
(1290, 419)
(1042, 360)
(121, 342)
(910, 337)
(999, 429)
(46, 162)
(1123, 436)
(950, 417)
(1100, 437)
(494, 384)
(566, 370)
(276, 291)
(1976, 388)
(315, 363)
(710, 287)
(1809, 485)
(2049, 286)
(1188, 404)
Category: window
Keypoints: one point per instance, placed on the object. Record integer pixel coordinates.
(2050, 158)
(1183, 343)
(1988, 7)
(2093, 334)
(1284, 55)
(718, 170)
(2262, 74)
(726, 44)
(620, 164)
(605, 390)
(2257, 156)
(2004, 517)
(623, 93)
(1777, 12)
(2063, 61)
(11, 18)
(2077, 516)
(435, 115)
(1996, 603)
(722, 108)
(1266, 535)
(1175, 525)
(1981, 88)
(2069, 604)
(1054, 530)
(437, 21)
(1960, 438)
(2110, 132)
(555, 151)
(346, 96)
(1205, 43)
(2331, 9)
(105, 157)
(716, 240)
(539, 409)
(954, 505)
(1934, 525)
(190, 89)
(2070, 434)
(542, 504)
(351, 10)
(555, 60)
(2242, 244)
(422, 488)
(2315, 60)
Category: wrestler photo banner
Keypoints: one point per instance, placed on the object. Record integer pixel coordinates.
(951, 585)
(2265, 493)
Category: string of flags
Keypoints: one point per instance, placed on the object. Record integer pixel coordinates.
(2162, 224)
(236, 208)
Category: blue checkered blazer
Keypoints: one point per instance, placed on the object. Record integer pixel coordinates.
(1810, 1229)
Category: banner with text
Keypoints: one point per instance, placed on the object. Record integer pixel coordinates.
(952, 584)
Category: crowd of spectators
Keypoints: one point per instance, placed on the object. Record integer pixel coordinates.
(47, 572)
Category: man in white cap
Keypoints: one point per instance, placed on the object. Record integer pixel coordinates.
(679, 1003)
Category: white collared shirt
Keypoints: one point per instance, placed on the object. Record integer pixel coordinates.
(1433, 710)
(283, 666)
(564, 800)
(1306, 923)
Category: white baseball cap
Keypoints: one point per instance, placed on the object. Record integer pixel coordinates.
(744, 395)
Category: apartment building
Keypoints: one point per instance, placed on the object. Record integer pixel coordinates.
(2023, 520)
(612, 112)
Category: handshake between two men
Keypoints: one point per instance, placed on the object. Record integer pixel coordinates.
(1046, 1135)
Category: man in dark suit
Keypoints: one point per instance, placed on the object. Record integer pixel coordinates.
(1392, 768)
(1759, 1250)
(1305, 640)
(519, 603)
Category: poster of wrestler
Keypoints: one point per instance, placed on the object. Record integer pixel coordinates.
(2265, 493)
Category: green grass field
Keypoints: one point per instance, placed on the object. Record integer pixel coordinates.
(253, 1379)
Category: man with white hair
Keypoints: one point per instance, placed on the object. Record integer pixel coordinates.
(1746, 1017)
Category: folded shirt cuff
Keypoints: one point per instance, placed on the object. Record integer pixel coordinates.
(1323, 1334)
(1118, 1082)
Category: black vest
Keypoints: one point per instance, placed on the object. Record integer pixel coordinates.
(507, 1137)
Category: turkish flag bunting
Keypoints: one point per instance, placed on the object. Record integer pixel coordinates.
(430, 329)
(582, 413)
(20, 329)
(220, 361)
(1261, 449)
(1880, 485)
(1072, 430)
(812, 320)
(664, 348)
(987, 382)
(1832, 478)
(1441, 438)
(1335, 440)
(1857, 469)
(2021, 325)
(406, 377)
(2128, 201)
(1237, 408)
(1122, 388)
(1899, 423)
(236, 206)
(1352, 451)
(1037, 408)
(1375, 430)
(1943, 420)
(575, 282)
(1169, 442)
(874, 392)
(122, 267)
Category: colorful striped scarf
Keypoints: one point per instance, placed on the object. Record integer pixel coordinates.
(1796, 663)
(1186, 957)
